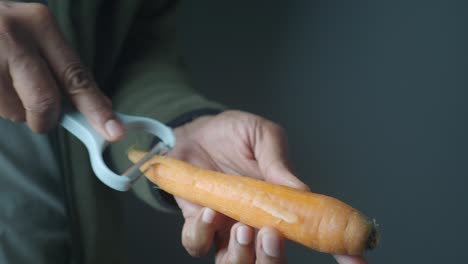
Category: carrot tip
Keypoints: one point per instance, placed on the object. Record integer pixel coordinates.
(374, 237)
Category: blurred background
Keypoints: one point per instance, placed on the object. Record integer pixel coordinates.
(373, 95)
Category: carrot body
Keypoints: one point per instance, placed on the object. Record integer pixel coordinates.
(316, 221)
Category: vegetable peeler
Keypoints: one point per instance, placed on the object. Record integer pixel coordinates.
(76, 124)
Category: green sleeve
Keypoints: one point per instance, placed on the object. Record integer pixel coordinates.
(149, 81)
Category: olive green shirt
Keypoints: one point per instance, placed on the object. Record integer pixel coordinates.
(129, 46)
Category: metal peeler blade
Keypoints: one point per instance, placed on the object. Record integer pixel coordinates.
(134, 171)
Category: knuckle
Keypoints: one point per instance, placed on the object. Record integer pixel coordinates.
(99, 110)
(5, 5)
(42, 103)
(41, 16)
(232, 258)
(193, 251)
(39, 11)
(20, 59)
(189, 244)
(193, 244)
(77, 79)
(275, 129)
(7, 29)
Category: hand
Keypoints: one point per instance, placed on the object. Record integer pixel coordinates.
(236, 143)
(37, 66)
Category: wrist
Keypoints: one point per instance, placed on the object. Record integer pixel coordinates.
(180, 126)
(191, 116)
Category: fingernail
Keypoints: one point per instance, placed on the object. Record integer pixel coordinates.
(344, 259)
(243, 235)
(271, 245)
(208, 215)
(114, 129)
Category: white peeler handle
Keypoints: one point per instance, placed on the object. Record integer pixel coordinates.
(77, 124)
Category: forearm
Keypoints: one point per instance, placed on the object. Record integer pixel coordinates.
(150, 81)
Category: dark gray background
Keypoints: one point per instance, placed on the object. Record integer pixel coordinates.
(373, 96)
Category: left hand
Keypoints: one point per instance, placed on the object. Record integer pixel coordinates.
(235, 143)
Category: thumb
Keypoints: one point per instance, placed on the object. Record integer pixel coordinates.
(271, 153)
(91, 102)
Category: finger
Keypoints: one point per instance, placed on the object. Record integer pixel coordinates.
(73, 77)
(271, 153)
(270, 247)
(345, 259)
(189, 209)
(241, 248)
(35, 87)
(198, 232)
(10, 105)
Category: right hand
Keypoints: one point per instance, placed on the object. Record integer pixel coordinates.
(237, 143)
(37, 66)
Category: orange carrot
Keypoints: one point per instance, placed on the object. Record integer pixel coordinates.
(316, 221)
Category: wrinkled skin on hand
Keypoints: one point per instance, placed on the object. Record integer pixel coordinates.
(37, 66)
(237, 143)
